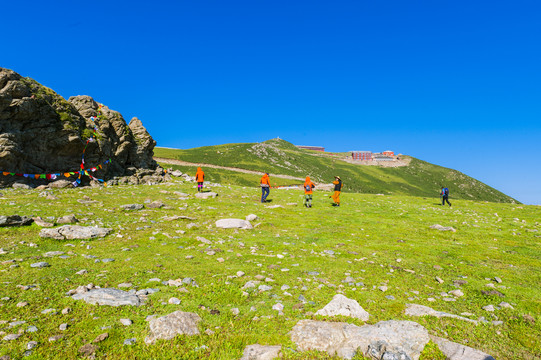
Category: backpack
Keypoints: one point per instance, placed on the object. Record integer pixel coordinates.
(308, 187)
(446, 191)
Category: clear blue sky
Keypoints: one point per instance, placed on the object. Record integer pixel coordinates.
(455, 83)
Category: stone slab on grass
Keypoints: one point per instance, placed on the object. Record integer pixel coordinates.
(169, 326)
(108, 296)
(74, 232)
(233, 224)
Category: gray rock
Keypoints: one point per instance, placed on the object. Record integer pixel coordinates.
(74, 232)
(203, 240)
(344, 340)
(129, 207)
(251, 217)
(341, 305)
(53, 253)
(206, 195)
(32, 329)
(126, 322)
(443, 228)
(107, 260)
(11, 337)
(265, 288)
(15, 220)
(63, 327)
(169, 326)
(108, 296)
(67, 219)
(130, 341)
(489, 308)
(233, 224)
(31, 345)
(455, 351)
(40, 264)
(261, 352)
(42, 223)
(421, 310)
(174, 301)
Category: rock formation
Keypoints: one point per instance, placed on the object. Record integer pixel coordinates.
(42, 133)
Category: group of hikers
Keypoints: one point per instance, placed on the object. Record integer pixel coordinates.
(308, 189)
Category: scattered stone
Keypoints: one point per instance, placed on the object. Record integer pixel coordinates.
(108, 296)
(437, 267)
(169, 326)
(251, 217)
(155, 205)
(88, 349)
(240, 273)
(443, 228)
(383, 288)
(11, 337)
(489, 308)
(74, 232)
(456, 293)
(126, 322)
(101, 337)
(233, 224)
(15, 220)
(341, 305)
(498, 280)
(459, 282)
(492, 293)
(421, 310)
(22, 304)
(130, 341)
(40, 264)
(63, 327)
(32, 329)
(440, 280)
(264, 288)
(129, 207)
(203, 240)
(505, 305)
(261, 352)
(529, 319)
(107, 260)
(455, 351)
(124, 285)
(55, 338)
(235, 311)
(206, 195)
(67, 219)
(344, 340)
(174, 301)
(42, 223)
(31, 345)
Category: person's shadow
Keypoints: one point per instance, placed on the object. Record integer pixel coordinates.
(268, 200)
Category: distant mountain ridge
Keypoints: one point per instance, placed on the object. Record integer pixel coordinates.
(277, 156)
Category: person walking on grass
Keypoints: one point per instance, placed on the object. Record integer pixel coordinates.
(308, 187)
(337, 189)
(445, 195)
(265, 187)
(199, 177)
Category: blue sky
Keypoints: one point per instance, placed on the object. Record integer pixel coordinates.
(455, 83)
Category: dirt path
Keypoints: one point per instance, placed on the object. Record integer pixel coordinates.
(184, 163)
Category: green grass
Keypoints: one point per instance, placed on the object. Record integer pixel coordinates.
(280, 157)
(368, 234)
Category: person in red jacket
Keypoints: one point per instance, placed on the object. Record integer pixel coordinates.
(199, 177)
(308, 187)
(265, 187)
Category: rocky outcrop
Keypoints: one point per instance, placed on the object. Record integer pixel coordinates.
(42, 133)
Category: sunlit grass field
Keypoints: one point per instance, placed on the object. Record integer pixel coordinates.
(373, 239)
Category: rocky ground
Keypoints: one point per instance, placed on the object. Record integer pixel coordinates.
(130, 272)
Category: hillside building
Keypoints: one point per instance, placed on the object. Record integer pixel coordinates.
(306, 147)
(388, 153)
(361, 155)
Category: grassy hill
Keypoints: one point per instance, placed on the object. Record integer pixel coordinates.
(306, 256)
(277, 156)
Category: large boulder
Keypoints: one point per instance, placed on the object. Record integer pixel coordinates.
(169, 326)
(341, 305)
(43, 133)
(75, 232)
(402, 339)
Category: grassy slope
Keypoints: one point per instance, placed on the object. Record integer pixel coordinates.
(368, 234)
(280, 157)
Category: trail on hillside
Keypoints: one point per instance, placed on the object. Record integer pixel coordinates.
(184, 163)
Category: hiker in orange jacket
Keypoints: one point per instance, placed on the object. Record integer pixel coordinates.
(265, 187)
(337, 189)
(199, 177)
(308, 187)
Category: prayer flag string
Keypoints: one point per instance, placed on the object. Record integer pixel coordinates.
(83, 171)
